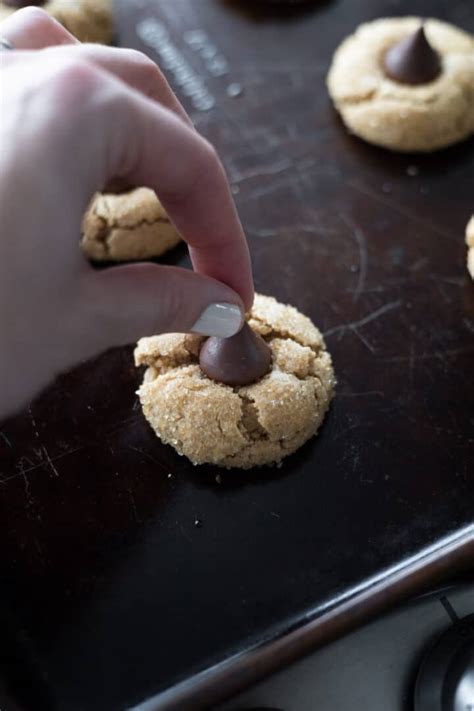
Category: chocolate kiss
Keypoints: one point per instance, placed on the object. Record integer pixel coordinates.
(239, 360)
(413, 60)
(23, 3)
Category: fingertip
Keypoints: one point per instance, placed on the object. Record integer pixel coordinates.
(249, 297)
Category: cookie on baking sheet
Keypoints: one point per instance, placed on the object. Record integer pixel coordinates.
(470, 245)
(127, 227)
(88, 20)
(403, 88)
(239, 426)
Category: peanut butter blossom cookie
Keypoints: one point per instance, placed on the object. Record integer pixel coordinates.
(405, 84)
(244, 401)
(127, 227)
(470, 246)
(88, 20)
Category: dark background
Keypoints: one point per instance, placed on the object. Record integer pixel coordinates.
(109, 592)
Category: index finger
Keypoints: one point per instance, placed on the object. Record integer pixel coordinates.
(155, 148)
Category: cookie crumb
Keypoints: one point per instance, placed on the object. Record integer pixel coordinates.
(234, 90)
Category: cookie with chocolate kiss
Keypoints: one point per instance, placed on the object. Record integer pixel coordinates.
(405, 84)
(247, 401)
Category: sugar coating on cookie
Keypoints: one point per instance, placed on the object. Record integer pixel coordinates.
(88, 20)
(127, 227)
(470, 245)
(242, 426)
(403, 117)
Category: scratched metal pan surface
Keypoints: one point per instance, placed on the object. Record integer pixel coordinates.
(109, 591)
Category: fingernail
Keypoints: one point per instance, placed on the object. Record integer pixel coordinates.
(222, 320)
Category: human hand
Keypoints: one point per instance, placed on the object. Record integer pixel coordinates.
(74, 118)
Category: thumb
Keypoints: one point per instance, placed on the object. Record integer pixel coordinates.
(125, 303)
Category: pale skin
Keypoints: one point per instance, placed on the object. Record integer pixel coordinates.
(75, 119)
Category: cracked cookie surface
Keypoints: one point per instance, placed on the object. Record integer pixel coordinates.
(88, 20)
(127, 227)
(398, 116)
(243, 426)
(470, 245)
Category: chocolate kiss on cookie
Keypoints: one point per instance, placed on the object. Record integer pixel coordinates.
(239, 360)
(23, 3)
(413, 60)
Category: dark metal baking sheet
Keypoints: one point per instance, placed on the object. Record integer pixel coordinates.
(109, 591)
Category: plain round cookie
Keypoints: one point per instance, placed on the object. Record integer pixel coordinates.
(243, 426)
(399, 116)
(88, 20)
(470, 244)
(127, 227)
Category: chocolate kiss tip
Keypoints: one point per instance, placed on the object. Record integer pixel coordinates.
(413, 60)
(239, 360)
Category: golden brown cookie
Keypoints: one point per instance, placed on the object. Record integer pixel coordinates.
(470, 245)
(88, 20)
(396, 115)
(243, 426)
(127, 227)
